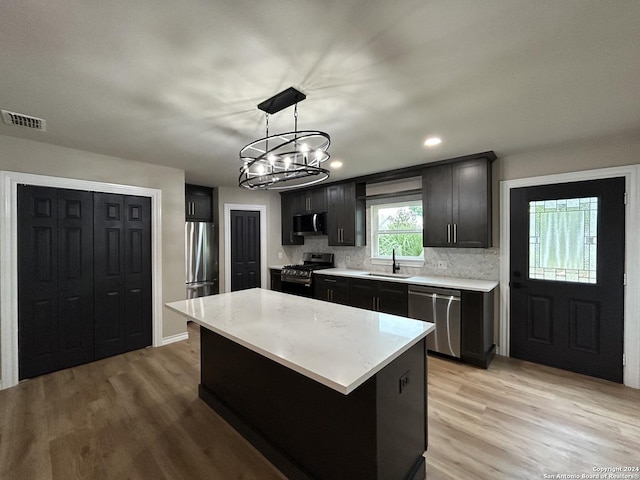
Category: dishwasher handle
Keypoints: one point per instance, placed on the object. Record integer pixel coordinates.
(430, 292)
(436, 296)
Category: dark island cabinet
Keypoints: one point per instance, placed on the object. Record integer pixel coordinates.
(457, 204)
(290, 204)
(332, 289)
(380, 296)
(198, 203)
(346, 214)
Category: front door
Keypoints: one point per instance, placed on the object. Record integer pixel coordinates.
(566, 276)
(245, 250)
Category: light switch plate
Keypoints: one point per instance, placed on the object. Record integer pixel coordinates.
(442, 265)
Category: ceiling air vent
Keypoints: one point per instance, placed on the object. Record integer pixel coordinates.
(13, 118)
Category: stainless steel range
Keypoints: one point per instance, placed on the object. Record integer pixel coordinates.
(297, 279)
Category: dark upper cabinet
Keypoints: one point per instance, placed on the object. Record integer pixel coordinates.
(198, 203)
(331, 289)
(346, 214)
(314, 200)
(289, 202)
(380, 296)
(457, 204)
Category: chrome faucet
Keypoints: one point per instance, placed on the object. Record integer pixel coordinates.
(394, 266)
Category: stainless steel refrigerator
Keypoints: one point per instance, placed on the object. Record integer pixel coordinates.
(201, 259)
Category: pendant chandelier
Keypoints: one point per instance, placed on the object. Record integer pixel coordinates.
(284, 160)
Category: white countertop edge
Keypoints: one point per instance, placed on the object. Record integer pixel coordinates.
(344, 389)
(484, 286)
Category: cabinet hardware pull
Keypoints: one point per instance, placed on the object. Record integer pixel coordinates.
(448, 233)
(373, 301)
(330, 280)
(455, 233)
(378, 304)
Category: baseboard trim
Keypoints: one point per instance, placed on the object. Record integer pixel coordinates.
(175, 338)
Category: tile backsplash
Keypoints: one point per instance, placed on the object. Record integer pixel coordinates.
(477, 263)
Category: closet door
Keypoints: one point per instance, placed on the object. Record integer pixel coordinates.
(109, 275)
(137, 270)
(55, 279)
(122, 229)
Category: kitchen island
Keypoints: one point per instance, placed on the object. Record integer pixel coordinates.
(324, 391)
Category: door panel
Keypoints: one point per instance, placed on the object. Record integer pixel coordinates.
(75, 277)
(245, 250)
(123, 274)
(110, 302)
(55, 270)
(137, 272)
(567, 266)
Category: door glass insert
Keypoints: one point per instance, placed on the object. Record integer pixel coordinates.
(563, 238)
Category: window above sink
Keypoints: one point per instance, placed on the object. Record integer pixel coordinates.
(397, 225)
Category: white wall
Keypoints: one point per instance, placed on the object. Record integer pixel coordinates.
(26, 156)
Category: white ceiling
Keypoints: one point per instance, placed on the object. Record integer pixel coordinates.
(177, 82)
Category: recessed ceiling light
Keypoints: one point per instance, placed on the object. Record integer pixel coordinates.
(335, 164)
(433, 141)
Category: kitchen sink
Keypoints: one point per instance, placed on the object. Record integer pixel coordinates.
(386, 275)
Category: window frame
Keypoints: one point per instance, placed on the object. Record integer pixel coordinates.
(375, 231)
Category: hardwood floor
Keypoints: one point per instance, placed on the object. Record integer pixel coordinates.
(138, 416)
(520, 420)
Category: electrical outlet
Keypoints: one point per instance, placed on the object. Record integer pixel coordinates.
(280, 255)
(442, 265)
(347, 259)
(403, 382)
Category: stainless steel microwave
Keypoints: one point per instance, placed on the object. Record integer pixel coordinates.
(310, 224)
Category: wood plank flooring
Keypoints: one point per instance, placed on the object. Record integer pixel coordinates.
(138, 416)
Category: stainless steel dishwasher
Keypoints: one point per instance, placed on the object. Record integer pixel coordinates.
(441, 307)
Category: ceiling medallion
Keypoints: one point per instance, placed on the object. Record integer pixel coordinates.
(284, 160)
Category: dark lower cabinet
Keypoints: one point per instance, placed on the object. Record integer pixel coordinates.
(276, 282)
(380, 296)
(84, 284)
(476, 328)
(332, 289)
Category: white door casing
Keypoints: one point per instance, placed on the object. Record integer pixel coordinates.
(227, 241)
(631, 173)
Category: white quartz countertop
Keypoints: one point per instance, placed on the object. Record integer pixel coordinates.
(341, 347)
(444, 282)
